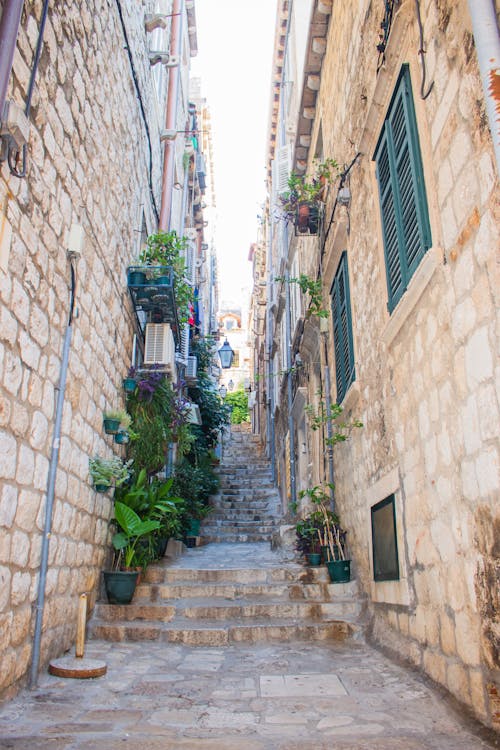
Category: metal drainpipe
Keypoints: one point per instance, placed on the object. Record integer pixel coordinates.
(289, 365)
(329, 429)
(9, 28)
(51, 483)
(270, 382)
(288, 312)
(164, 220)
(487, 41)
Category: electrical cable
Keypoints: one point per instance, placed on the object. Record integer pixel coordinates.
(421, 52)
(13, 152)
(341, 185)
(141, 105)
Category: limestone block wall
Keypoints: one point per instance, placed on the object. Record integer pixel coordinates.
(89, 163)
(426, 384)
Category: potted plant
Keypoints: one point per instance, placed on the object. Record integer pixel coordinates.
(108, 472)
(300, 203)
(333, 537)
(308, 533)
(129, 383)
(120, 582)
(113, 419)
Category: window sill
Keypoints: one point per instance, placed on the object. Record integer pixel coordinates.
(406, 304)
(351, 397)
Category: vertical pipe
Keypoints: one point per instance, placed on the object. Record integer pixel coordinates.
(171, 117)
(329, 430)
(291, 421)
(487, 41)
(9, 28)
(269, 345)
(51, 482)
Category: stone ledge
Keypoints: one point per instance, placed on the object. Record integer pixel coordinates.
(408, 301)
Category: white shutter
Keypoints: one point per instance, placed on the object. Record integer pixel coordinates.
(185, 343)
(190, 262)
(191, 367)
(283, 168)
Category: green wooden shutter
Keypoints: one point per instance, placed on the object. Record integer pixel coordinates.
(403, 202)
(342, 329)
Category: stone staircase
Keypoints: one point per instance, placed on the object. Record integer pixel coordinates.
(247, 507)
(188, 602)
(234, 588)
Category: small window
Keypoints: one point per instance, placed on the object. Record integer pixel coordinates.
(384, 541)
(342, 329)
(229, 325)
(403, 201)
(236, 359)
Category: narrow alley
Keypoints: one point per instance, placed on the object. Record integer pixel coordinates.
(254, 695)
(235, 645)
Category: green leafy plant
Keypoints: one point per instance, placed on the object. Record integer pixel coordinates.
(314, 288)
(109, 472)
(131, 529)
(325, 522)
(302, 189)
(320, 417)
(238, 400)
(168, 249)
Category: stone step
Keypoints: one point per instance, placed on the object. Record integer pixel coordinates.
(236, 538)
(218, 609)
(214, 633)
(228, 591)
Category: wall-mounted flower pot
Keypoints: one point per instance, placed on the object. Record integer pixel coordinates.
(339, 571)
(111, 426)
(101, 487)
(307, 218)
(129, 385)
(122, 437)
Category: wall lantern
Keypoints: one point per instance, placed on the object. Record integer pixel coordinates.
(226, 355)
(223, 392)
(230, 385)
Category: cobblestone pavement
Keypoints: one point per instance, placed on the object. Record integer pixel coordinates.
(273, 696)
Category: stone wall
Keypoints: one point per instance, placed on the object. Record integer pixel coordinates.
(425, 385)
(89, 160)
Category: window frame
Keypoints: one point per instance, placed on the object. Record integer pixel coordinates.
(380, 577)
(342, 336)
(402, 195)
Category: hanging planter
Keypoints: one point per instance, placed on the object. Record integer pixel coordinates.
(102, 487)
(122, 437)
(307, 218)
(110, 425)
(129, 385)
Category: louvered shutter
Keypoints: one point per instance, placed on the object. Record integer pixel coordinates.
(403, 202)
(342, 329)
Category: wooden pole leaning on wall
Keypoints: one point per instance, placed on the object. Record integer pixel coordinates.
(78, 666)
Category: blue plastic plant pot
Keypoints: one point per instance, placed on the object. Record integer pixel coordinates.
(111, 426)
(129, 385)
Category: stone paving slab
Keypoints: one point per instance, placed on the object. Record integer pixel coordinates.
(294, 696)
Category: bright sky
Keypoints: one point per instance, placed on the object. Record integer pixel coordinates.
(235, 47)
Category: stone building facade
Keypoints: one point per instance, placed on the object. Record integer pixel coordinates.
(414, 356)
(95, 159)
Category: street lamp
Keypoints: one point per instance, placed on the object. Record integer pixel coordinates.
(226, 355)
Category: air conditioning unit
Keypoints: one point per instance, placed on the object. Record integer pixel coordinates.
(159, 347)
(191, 367)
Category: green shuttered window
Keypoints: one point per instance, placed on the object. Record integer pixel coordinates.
(403, 202)
(342, 329)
